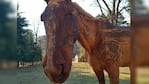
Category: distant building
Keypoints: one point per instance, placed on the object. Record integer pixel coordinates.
(43, 43)
(76, 59)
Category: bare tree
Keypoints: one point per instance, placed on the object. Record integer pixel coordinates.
(112, 9)
(36, 25)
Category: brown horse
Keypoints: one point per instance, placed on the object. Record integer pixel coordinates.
(108, 46)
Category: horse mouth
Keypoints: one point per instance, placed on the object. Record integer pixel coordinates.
(62, 76)
(58, 74)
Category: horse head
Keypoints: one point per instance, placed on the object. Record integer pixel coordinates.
(60, 26)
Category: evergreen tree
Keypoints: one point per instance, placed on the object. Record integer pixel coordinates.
(28, 50)
(21, 41)
(7, 31)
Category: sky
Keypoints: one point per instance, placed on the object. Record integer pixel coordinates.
(146, 3)
(32, 9)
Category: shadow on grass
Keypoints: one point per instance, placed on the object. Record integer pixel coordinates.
(28, 75)
(77, 78)
(121, 81)
(80, 74)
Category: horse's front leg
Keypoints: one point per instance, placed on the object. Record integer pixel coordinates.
(100, 75)
(113, 72)
(132, 74)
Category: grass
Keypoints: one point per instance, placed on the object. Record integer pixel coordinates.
(81, 74)
(143, 75)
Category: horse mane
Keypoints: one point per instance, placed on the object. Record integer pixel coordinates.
(82, 12)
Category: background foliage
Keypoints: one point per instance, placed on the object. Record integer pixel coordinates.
(16, 42)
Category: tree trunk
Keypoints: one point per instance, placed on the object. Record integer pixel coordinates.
(17, 63)
(32, 62)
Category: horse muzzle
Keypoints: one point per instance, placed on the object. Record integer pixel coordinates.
(57, 74)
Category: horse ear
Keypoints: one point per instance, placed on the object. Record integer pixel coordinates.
(46, 1)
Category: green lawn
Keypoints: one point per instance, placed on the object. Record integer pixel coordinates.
(81, 74)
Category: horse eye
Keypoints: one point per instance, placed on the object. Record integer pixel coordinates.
(68, 14)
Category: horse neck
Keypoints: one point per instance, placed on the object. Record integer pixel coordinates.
(87, 32)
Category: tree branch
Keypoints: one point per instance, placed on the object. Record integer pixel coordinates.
(125, 7)
(118, 4)
(117, 10)
(113, 15)
(114, 3)
(107, 6)
(100, 8)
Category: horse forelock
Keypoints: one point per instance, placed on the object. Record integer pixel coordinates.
(54, 2)
(50, 26)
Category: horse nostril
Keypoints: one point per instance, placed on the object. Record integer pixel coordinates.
(61, 72)
(62, 69)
